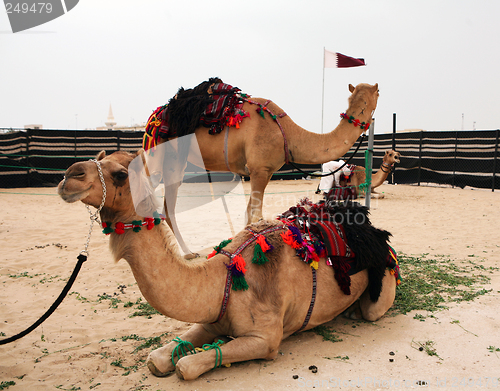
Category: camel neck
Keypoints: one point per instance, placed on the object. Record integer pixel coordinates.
(380, 176)
(313, 148)
(186, 291)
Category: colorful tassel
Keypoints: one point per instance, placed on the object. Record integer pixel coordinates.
(289, 239)
(219, 247)
(259, 257)
(239, 283)
(264, 244)
(237, 270)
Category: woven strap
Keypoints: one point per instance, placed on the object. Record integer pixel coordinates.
(227, 287)
(311, 305)
(275, 117)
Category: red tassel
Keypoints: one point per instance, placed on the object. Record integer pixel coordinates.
(289, 239)
(213, 253)
(239, 263)
(261, 240)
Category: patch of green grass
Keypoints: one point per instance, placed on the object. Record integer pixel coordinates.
(339, 358)
(6, 384)
(430, 283)
(143, 309)
(427, 346)
(113, 300)
(327, 333)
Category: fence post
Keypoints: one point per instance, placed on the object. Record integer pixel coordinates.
(75, 147)
(455, 161)
(369, 163)
(420, 156)
(392, 175)
(28, 135)
(495, 163)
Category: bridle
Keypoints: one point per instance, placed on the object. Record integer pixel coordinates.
(94, 217)
(82, 257)
(388, 166)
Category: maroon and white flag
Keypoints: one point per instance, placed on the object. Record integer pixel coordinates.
(338, 60)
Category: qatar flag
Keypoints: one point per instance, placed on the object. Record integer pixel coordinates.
(338, 60)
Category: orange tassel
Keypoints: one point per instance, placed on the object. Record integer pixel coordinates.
(239, 263)
(261, 240)
(288, 239)
(213, 253)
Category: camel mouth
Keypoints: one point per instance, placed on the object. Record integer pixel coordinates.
(73, 197)
(397, 160)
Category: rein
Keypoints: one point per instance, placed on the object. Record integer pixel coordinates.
(332, 172)
(82, 257)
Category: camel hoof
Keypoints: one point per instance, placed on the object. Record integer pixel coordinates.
(191, 256)
(152, 368)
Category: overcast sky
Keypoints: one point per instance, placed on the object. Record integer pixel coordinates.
(434, 60)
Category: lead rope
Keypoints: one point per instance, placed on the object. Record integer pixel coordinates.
(82, 257)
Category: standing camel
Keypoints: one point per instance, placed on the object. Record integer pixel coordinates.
(265, 140)
(277, 296)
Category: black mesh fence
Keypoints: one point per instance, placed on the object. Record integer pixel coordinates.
(37, 158)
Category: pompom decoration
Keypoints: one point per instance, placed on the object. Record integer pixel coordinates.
(136, 225)
(119, 228)
(237, 269)
(262, 246)
(107, 228)
(219, 247)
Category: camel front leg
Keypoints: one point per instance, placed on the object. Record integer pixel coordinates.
(239, 349)
(258, 183)
(169, 203)
(159, 361)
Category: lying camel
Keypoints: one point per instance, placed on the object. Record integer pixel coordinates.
(359, 176)
(265, 141)
(276, 301)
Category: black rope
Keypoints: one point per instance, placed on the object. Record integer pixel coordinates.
(81, 258)
(333, 172)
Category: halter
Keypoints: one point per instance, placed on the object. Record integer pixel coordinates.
(82, 257)
(387, 166)
(94, 217)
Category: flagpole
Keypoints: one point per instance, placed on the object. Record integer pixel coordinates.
(323, 92)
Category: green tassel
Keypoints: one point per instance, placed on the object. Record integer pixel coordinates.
(157, 220)
(262, 113)
(258, 255)
(222, 244)
(239, 283)
(107, 230)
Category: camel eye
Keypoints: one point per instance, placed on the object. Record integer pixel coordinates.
(120, 175)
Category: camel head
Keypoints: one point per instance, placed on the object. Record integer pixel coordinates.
(82, 183)
(391, 157)
(363, 101)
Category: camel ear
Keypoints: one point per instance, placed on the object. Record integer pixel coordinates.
(351, 88)
(101, 155)
(375, 87)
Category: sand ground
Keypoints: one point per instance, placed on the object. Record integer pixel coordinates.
(87, 344)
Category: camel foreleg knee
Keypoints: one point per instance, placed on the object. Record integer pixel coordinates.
(160, 362)
(239, 349)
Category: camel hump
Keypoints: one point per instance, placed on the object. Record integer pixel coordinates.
(212, 104)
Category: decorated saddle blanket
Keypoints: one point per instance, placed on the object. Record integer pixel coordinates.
(212, 104)
(314, 233)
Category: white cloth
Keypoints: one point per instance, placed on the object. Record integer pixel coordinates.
(327, 182)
